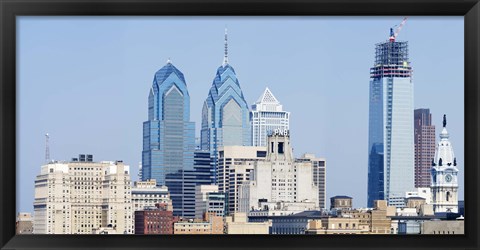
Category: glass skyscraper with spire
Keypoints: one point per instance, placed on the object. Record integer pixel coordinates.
(225, 113)
(391, 133)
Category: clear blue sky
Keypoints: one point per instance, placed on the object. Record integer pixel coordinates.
(85, 81)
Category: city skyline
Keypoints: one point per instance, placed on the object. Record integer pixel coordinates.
(245, 65)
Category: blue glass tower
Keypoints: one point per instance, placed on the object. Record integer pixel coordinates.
(391, 133)
(225, 113)
(168, 135)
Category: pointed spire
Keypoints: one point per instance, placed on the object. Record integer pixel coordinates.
(225, 57)
(444, 120)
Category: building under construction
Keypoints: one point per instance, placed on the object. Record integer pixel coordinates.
(391, 60)
(391, 132)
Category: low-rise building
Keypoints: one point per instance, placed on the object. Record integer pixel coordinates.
(272, 209)
(340, 202)
(210, 224)
(147, 194)
(105, 230)
(336, 225)
(295, 223)
(155, 220)
(24, 223)
(237, 224)
(443, 227)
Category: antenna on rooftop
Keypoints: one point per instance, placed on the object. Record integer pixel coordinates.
(47, 149)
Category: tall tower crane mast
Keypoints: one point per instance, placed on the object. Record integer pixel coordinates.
(393, 35)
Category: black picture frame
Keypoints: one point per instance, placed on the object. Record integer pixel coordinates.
(9, 9)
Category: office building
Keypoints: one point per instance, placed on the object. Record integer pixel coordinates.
(185, 182)
(424, 147)
(168, 134)
(266, 116)
(235, 164)
(158, 219)
(147, 194)
(319, 176)
(391, 132)
(278, 178)
(444, 175)
(237, 223)
(209, 200)
(225, 114)
(78, 196)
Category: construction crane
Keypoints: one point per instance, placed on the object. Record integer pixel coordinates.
(397, 30)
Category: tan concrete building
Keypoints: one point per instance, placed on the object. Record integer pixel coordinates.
(341, 202)
(24, 223)
(443, 227)
(337, 225)
(380, 222)
(211, 224)
(78, 196)
(237, 224)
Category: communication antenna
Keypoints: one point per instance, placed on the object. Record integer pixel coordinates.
(47, 149)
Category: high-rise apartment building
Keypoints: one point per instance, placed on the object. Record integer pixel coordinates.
(278, 177)
(225, 114)
(391, 133)
(168, 134)
(424, 147)
(78, 196)
(267, 115)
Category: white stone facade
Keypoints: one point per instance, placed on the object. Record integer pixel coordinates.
(147, 194)
(445, 175)
(76, 197)
(279, 178)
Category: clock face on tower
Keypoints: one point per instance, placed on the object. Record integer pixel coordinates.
(448, 178)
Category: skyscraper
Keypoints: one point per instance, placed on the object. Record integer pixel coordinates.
(168, 135)
(267, 115)
(225, 114)
(391, 123)
(424, 147)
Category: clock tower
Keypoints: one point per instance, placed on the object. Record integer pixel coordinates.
(444, 175)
